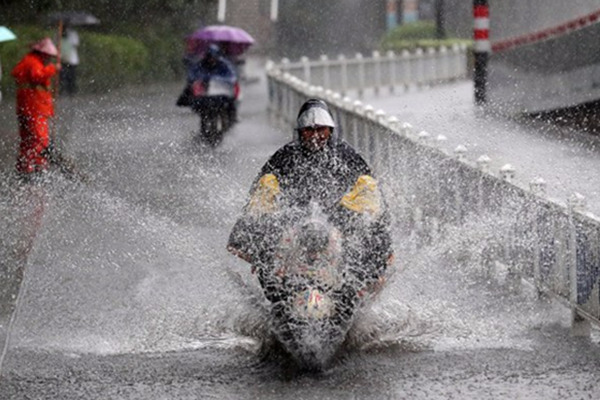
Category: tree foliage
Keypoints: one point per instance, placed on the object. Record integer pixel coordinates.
(152, 31)
(109, 11)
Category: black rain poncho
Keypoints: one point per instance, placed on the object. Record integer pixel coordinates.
(326, 177)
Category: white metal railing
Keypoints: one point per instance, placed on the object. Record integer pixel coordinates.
(421, 67)
(434, 193)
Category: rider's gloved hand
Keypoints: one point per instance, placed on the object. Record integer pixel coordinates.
(364, 197)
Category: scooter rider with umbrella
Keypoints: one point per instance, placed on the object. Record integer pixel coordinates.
(199, 73)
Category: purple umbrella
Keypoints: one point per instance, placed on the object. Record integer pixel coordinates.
(233, 41)
(223, 33)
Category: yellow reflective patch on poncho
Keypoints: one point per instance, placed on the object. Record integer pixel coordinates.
(263, 199)
(364, 196)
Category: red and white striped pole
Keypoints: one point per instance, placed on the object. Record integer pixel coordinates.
(482, 47)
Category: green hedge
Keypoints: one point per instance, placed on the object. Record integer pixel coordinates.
(165, 50)
(411, 45)
(412, 31)
(420, 34)
(107, 61)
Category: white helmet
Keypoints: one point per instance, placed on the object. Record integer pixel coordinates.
(314, 113)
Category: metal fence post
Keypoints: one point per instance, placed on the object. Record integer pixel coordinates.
(458, 66)
(431, 69)
(366, 135)
(285, 64)
(419, 69)
(358, 109)
(326, 81)
(507, 173)
(377, 61)
(579, 325)
(306, 67)
(392, 60)
(483, 164)
(379, 150)
(460, 153)
(444, 67)
(538, 188)
(361, 74)
(344, 74)
(406, 60)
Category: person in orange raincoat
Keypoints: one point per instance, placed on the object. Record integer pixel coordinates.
(33, 76)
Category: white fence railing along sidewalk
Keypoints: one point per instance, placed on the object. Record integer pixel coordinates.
(435, 194)
(344, 75)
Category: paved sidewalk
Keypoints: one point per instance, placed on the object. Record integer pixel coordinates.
(567, 159)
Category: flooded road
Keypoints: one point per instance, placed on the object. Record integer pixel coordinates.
(122, 288)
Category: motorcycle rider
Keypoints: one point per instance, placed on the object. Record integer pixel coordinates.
(317, 166)
(212, 64)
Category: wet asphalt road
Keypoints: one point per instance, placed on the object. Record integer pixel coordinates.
(125, 290)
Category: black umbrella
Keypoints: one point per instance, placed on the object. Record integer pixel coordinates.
(73, 18)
